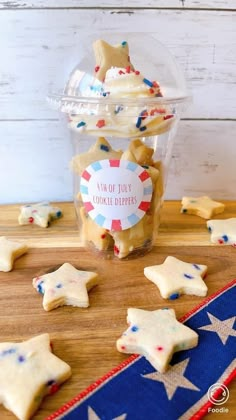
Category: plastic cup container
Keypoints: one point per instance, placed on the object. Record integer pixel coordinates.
(123, 101)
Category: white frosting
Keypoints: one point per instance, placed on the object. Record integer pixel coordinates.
(120, 83)
(104, 118)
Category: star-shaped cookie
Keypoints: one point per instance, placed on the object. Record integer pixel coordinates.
(29, 371)
(204, 206)
(156, 335)
(65, 286)
(223, 329)
(223, 232)
(173, 378)
(91, 232)
(99, 151)
(107, 56)
(9, 251)
(175, 277)
(40, 214)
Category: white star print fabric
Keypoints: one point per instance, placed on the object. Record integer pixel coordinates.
(137, 390)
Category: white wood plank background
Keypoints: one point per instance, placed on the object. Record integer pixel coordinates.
(39, 45)
(194, 4)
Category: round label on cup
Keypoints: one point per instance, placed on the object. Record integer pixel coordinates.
(116, 193)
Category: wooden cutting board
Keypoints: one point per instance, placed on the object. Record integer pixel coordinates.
(85, 338)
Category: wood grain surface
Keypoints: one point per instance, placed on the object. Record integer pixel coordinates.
(85, 338)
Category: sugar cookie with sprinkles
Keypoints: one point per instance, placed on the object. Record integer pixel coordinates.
(28, 372)
(40, 214)
(9, 251)
(93, 233)
(223, 232)
(156, 335)
(204, 206)
(115, 78)
(107, 56)
(175, 277)
(100, 150)
(131, 240)
(65, 286)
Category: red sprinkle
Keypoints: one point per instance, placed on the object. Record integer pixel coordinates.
(103, 236)
(116, 249)
(123, 347)
(144, 115)
(121, 72)
(31, 220)
(159, 348)
(54, 388)
(155, 84)
(167, 117)
(220, 241)
(96, 69)
(127, 69)
(100, 123)
(137, 72)
(157, 111)
(151, 90)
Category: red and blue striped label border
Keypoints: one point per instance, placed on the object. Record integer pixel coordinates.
(115, 167)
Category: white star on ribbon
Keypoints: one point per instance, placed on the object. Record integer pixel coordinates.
(224, 329)
(173, 378)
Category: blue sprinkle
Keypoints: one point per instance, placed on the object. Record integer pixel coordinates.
(59, 285)
(225, 237)
(118, 109)
(40, 288)
(21, 359)
(58, 213)
(139, 122)
(184, 210)
(145, 166)
(188, 276)
(174, 296)
(209, 228)
(147, 82)
(124, 43)
(81, 124)
(50, 382)
(196, 266)
(8, 351)
(143, 128)
(134, 328)
(104, 147)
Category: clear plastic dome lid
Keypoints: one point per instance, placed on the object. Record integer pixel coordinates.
(118, 77)
(133, 66)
